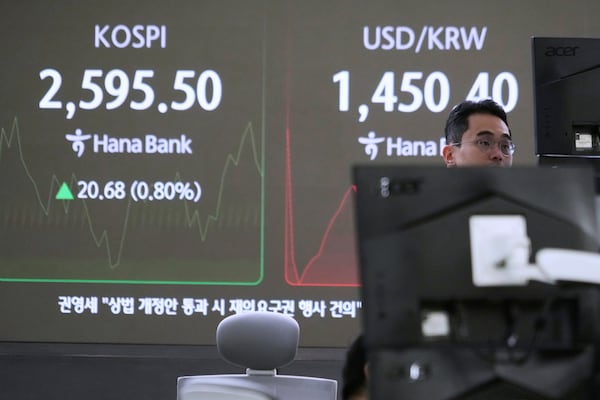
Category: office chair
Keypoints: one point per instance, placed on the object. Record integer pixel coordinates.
(213, 387)
(261, 342)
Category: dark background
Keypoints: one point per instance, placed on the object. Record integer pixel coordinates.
(277, 60)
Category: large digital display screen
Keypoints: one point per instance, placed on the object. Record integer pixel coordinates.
(164, 165)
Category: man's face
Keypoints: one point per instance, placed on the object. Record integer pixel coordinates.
(483, 129)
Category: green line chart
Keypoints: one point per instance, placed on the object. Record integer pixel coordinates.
(128, 241)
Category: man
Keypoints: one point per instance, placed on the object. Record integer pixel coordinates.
(354, 372)
(477, 134)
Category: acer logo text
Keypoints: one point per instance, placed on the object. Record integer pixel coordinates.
(560, 51)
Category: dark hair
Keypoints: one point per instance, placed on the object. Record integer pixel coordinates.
(458, 120)
(354, 379)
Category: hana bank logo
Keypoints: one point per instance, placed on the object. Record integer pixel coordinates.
(78, 140)
(148, 144)
(399, 147)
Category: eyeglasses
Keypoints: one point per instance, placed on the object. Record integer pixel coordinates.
(507, 147)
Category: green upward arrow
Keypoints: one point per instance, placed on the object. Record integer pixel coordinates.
(64, 193)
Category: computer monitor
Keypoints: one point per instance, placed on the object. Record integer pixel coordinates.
(566, 80)
(431, 333)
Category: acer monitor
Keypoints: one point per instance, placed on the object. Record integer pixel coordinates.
(566, 80)
(430, 332)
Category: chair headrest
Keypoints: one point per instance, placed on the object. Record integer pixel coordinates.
(258, 340)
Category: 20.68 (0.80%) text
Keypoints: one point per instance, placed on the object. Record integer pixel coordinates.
(139, 190)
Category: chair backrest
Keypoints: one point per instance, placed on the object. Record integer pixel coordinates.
(258, 340)
(261, 342)
(220, 387)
